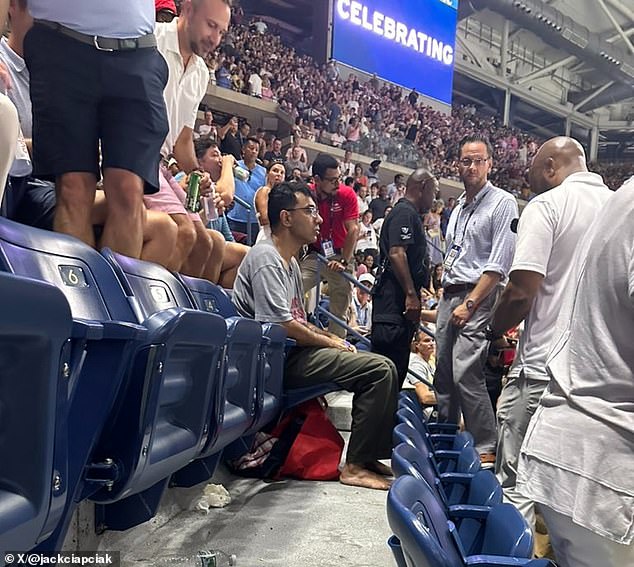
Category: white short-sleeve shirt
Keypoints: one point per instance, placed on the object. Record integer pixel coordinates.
(185, 87)
(548, 236)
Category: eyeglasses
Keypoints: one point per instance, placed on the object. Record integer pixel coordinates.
(311, 210)
(332, 179)
(466, 162)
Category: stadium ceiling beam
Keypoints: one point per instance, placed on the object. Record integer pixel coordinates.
(593, 94)
(468, 50)
(545, 70)
(627, 12)
(616, 25)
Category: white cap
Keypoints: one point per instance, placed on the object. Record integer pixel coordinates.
(367, 278)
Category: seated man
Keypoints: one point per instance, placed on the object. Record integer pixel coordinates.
(269, 288)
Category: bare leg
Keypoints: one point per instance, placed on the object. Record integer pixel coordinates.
(75, 198)
(213, 267)
(159, 238)
(198, 257)
(123, 230)
(234, 254)
(185, 241)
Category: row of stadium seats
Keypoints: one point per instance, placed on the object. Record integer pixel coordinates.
(443, 509)
(118, 379)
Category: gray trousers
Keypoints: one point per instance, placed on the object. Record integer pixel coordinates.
(459, 381)
(339, 290)
(373, 380)
(517, 404)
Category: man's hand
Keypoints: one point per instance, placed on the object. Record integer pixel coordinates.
(412, 307)
(336, 266)
(342, 344)
(495, 350)
(205, 183)
(219, 204)
(228, 161)
(461, 315)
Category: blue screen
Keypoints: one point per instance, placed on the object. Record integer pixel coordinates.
(407, 42)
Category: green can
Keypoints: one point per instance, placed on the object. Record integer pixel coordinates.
(193, 192)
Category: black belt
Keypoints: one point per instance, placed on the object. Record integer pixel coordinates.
(102, 43)
(452, 289)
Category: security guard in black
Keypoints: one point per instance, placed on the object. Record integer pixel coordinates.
(404, 271)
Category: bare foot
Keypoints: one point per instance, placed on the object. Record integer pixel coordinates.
(356, 475)
(379, 468)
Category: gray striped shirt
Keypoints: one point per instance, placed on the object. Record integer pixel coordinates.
(482, 229)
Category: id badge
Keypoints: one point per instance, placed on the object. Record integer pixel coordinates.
(451, 256)
(328, 248)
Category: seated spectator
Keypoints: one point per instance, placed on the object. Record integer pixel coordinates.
(223, 75)
(228, 136)
(269, 289)
(367, 235)
(207, 129)
(243, 133)
(362, 196)
(382, 202)
(255, 84)
(360, 318)
(239, 217)
(378, 224)
(338, 138)
(295, 161)
(421, 362)
(274, 154)
(353, 133)
(297, 147)
(347, 168)
(359, 176)
(274, 176)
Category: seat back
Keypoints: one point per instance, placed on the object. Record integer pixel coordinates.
(210, 297)
(507, 533)
(485, 489)
(34, 330)
(408, 460)
(101, 350)
(176, 399)
(419, 521)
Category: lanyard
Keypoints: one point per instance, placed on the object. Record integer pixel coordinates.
(464, 230)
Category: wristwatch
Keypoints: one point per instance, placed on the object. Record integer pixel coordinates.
(491, 335)
(344, 262)
(470, 304)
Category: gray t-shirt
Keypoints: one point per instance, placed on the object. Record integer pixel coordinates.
(268, 290)
(107, 18)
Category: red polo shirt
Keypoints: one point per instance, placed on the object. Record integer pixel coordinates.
(335, 211)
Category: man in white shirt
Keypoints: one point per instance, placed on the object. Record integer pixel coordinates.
(550, 229)
(347, 167)
(576, 460)
(255, 84)
(183, 43)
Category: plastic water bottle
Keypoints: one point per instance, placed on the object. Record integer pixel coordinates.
(22, 163)
(204, 558)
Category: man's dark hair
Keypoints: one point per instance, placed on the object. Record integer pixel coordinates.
(474, 139)
(252, 139)
(322, 163)
(284, 197)
(202, 145)
(397, 177)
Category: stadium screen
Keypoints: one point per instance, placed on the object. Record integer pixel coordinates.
(409, 42)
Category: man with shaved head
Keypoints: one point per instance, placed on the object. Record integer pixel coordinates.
(552, 225)
(404, 270)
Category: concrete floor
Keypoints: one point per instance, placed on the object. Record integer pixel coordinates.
(287, 523)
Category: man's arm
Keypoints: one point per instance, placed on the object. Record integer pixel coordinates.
(222, 131)
(226, 186)
(352, 228)
(183, 150)
(306, 336)
(516, 301)
(398, 260)
(486, 284)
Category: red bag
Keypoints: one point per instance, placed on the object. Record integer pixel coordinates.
(316, 452)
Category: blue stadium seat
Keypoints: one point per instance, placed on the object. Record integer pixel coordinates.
(154, 291)
(442, 437)
(468, 488)
(35, 329)
(210, 297)
(445, 460)
(429, 539)
(104, 342)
